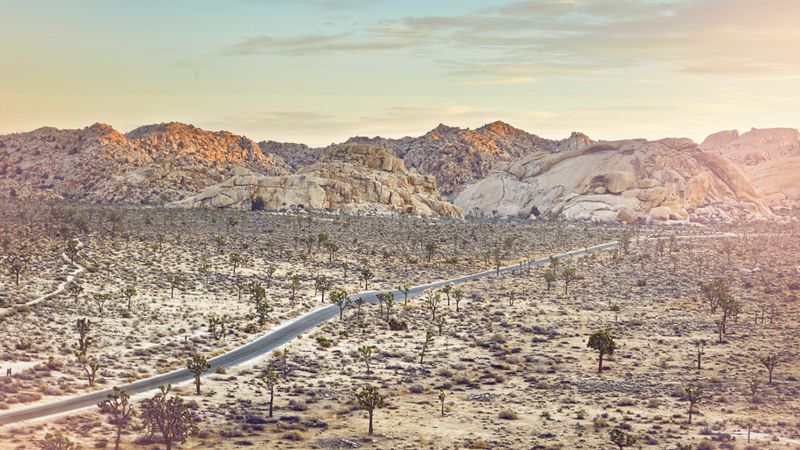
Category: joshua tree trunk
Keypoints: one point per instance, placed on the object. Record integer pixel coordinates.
(119, 437)
(271, 397)
(600, 363)
(370, 421)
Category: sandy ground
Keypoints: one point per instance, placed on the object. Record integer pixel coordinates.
(512, 362)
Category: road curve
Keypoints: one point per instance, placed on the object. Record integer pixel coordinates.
(265, 344)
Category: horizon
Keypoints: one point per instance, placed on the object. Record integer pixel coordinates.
(396, 137)
(321, 71)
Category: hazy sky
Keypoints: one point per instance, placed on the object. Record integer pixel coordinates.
(319, 71)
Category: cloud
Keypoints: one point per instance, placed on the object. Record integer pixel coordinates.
(559, 37)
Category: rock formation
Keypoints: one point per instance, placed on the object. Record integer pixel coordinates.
(669, 179)
(770, 157)
(455, 156)
(151, 164)
(351, 178)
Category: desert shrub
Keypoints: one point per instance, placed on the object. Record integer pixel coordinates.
(324, 342)
(293, 435)
(508, 414)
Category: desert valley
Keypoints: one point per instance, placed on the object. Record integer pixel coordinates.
(468, 288)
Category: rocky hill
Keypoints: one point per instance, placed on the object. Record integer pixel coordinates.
(460, 156)
(152, 164)
(669, 179)
(352, 178)
(770, 157)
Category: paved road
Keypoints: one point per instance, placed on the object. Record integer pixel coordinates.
(263, 345)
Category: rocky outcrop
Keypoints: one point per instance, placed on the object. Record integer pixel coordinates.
(770, 157)
(152, 164)
(670, 179)
(350, 178)
(455, 156)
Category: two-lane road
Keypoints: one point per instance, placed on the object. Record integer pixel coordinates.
(252, 350)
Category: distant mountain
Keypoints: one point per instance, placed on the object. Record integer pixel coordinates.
(770, 157)
(151, 164)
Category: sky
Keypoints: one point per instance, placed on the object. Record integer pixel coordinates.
(319, 71)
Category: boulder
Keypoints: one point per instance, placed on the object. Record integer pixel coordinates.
(660, 213)
(618, 182)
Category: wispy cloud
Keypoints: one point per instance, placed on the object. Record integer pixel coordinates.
(701, 37)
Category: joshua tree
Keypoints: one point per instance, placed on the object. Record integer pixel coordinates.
(322, 284)
(727, 248)
(100, 299)
(389, 300)
(175, 281)
(370, 399)
(365, 353)
(294, 284)
(694, 395)
(168, 417)
(458, 295)
(217, 326)
(442, 397)
(622, 438)
(268, 380)
(240, 285)
(603, 342)
(205, 270)
(72, 250)
(258, 292)
(90, 367)
(220, 242)
(553, 263)
(446, 290)
(431, 303)
(714, 291)
(730, 308)
(769, 362)
(359, 303)
(117, 403)
(427, 343)
(197, 365)
(263, 310)
(284, 358)
(754, 384)
(75, 290)
(339, 298)
(497, 258)
(128, 292)
(440, 323)
(700, 345)
(430, 250)
(568, 274)
(549, 278)
(237, 260)
(404, 289)
(270, 273)
(16, 266)
(331, 249)
(366, 275)
(83, 326)
(231, 223)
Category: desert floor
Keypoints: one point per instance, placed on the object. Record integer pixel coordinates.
(512, 362)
